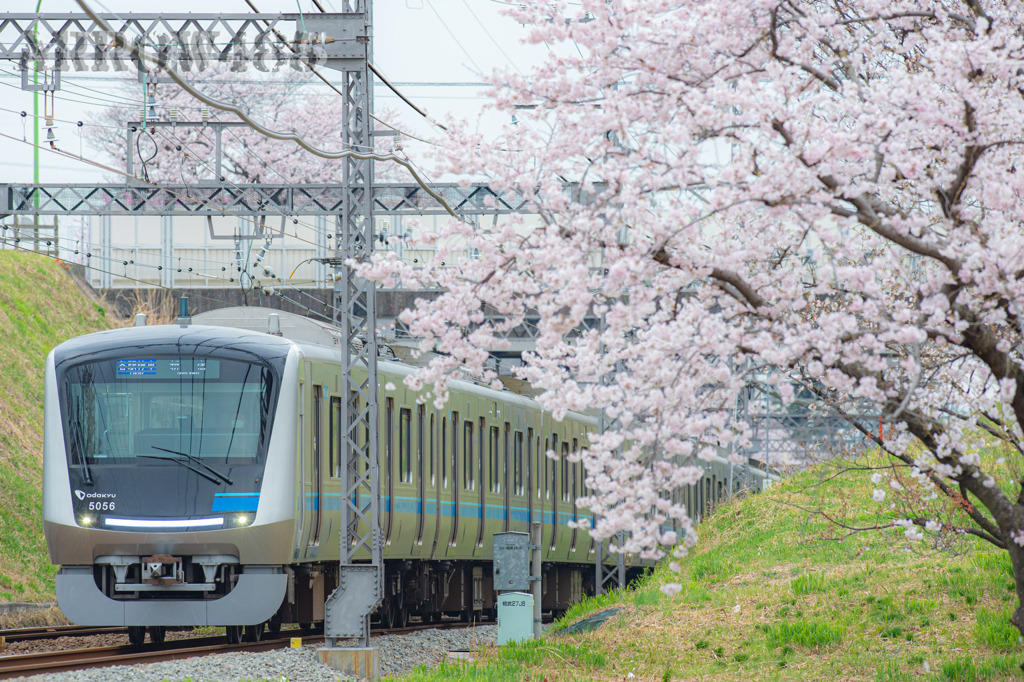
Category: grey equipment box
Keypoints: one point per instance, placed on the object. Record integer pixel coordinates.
(515, 617)
(511, 561)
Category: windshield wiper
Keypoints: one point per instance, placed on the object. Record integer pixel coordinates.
(184, 463)
(196, 460)
(76, 443)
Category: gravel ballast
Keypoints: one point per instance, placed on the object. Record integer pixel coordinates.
(399, 654)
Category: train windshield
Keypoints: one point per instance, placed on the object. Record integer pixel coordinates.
(189, 410)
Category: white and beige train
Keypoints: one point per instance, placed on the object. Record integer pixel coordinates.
(191, 477)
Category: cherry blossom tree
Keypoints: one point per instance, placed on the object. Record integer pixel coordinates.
(826, 190)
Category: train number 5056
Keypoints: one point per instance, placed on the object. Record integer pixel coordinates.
(101, 506)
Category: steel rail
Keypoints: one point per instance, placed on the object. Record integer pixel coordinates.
(97, 657)
(55, 631)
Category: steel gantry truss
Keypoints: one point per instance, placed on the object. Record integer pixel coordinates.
(220, 199)
(58, 42)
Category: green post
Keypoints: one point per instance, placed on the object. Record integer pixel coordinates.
(35, 112)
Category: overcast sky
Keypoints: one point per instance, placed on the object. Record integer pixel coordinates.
(416, 43)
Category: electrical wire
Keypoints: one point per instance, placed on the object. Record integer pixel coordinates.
(14, 244)
(89, 251)
(295, 220)
(277, 135)
(454, 37)
(405, 99)
(332, 86)
(488, 34)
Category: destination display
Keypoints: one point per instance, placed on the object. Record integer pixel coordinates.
(168, 368)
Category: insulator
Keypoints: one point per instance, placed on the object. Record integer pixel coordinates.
(172, 114)
(205, 114)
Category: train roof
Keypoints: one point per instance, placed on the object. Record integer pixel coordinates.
(172, 339)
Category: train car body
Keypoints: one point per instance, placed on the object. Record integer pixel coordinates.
(192, 476)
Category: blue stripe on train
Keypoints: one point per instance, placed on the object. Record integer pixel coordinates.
(235, 502)
(467, 510)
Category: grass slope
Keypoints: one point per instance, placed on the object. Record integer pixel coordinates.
(774, 591)
(40, 306)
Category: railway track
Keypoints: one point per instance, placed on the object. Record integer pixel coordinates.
(55, 631)
(98, 657)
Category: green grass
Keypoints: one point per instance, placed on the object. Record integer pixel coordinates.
(40, 306)
(773, 591)
(803, 633)
(578, 660)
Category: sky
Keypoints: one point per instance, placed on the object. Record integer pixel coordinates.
(418, 44)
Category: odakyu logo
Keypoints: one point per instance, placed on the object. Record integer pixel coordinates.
(81, 495)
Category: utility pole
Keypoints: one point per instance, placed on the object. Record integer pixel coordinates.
(360, 585)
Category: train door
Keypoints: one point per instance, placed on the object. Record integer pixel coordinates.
(531, 495)
(518, 477)
(565, 470)
(506, 471)
(549, 465)
(313, 498)
(300, 503)
(435, 456)
(389, 463)
(453, 479)
(478, 462)
(574, 468)
(489, 469)
(421, 485)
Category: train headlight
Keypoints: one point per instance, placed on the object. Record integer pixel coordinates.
(242, 520)
(87, 520)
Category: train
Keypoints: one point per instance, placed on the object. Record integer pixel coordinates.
(192, 476)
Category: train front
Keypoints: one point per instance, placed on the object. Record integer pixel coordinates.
(163, 500)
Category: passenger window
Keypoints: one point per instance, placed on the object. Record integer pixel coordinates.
(517, 467)
(430, 447)
(467, 449)
(405, 445)
(455, 449)
(444, 451)
(565, 471)
(334, 450)
(494, 460)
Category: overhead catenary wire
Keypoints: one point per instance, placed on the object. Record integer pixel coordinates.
(488, 34)
(274, 134)
(332, 86)
(90, 252)
(454, 37)
(295, 219)
(211, 299)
